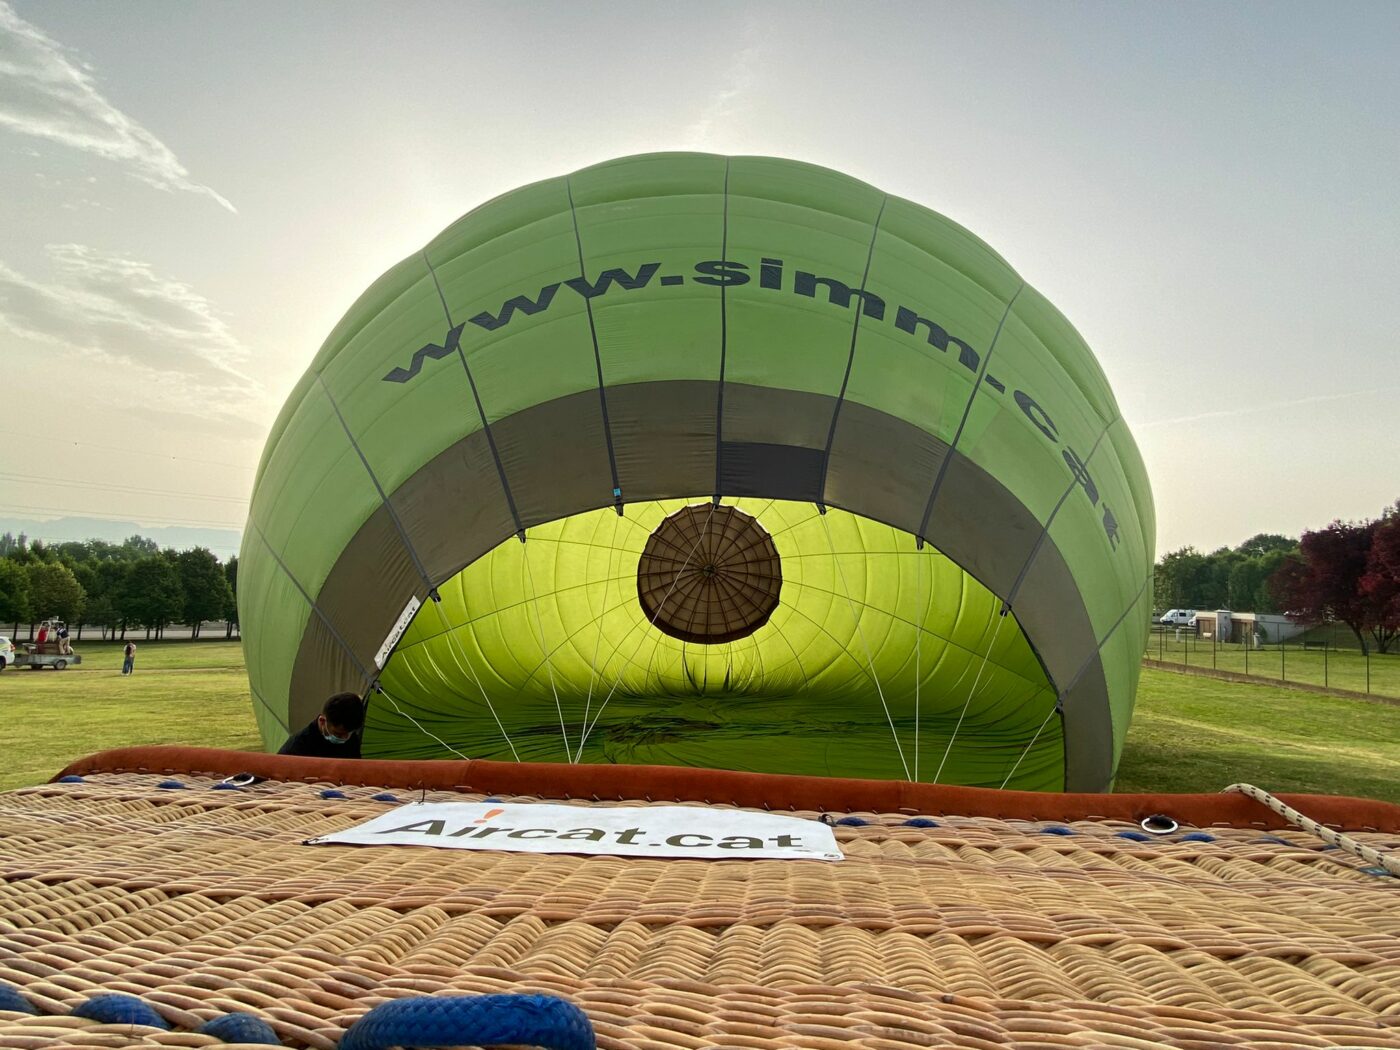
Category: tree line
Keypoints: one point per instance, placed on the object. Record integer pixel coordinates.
(1346, 573)
(115, 586)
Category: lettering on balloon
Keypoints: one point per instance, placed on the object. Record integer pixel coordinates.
(730, 273)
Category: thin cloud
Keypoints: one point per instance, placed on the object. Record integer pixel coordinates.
(1273, 406)
(46, 94)
(742, 77)
(144, 327)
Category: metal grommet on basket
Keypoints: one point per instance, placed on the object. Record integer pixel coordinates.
(240, 780)
(1158, 824)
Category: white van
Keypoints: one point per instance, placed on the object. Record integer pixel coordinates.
(1178, 617)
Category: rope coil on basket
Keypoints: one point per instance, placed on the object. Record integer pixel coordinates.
(473, 1020)
(118, 1008)
(1386, 861)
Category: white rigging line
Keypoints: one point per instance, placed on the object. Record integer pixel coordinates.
(869, 660)
(598, 638)
(1001, 619)
(539, 636)
(918, 639)
(652, 623)
(1055, 707)
(465, 665)
(385, 693)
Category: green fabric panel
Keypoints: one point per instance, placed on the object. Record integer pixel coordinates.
(856, 595)
(810, 663)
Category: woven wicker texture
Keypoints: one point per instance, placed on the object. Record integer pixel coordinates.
(975, 933)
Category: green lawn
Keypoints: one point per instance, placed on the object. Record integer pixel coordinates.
(181, 693)
(1337, 668)
(1201, 734)
(1188, 734)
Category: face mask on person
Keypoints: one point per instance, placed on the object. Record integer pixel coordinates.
(331, 738)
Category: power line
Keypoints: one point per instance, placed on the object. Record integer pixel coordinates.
(35, 479)
(104, 516)
(131, 451)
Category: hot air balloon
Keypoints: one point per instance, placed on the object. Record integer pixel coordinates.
(733, 462)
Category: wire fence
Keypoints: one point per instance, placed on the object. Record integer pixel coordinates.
(1320, 657)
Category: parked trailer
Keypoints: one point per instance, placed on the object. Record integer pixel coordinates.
(51, 650)
(34, 660)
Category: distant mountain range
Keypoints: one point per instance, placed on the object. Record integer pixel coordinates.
(223, 542)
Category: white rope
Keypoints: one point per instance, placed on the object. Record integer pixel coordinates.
(1389, 861)
(652, 623)
(597, 638)
(539, 636)
(918, 639)
(986, 655)
(1046, 721)
(465, 665)
(869, 659)
(385, 693)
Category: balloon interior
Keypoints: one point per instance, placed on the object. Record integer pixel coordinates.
(710, 461)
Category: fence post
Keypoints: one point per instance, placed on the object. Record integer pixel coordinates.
(1325, 647)
(1246, 656)
(1283, 657)
(1368, 668)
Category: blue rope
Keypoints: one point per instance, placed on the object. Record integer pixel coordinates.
(116, 1008)
(71, 778)
(478, 1020)
(385, 796)
(333, 793)
(1057, 829)
(1197, 836)
(171, 785)
(11, 1000)
(240, 1028)
(920, 822)
(853, 822)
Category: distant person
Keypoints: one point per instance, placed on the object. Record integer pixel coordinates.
(63, 646)
(129, 658)
(43, 635)
(334, 733)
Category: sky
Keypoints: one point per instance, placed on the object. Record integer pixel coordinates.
(191, 195)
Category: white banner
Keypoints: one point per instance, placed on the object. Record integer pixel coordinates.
(650, 831)
(396, 632)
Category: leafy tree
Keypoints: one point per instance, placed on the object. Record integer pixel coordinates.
(231, 609)
(14, 593)
(151, 595)
(1323, 583)
(54, 592)
(206, 590)
(1381, 581)
(140, 545)
(1181, 580)
(102, 612)
(1267, 543)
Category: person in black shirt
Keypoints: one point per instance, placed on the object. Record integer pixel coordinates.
(335, 732)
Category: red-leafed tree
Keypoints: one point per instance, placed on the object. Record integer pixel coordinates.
(1381, 582)
(1324, 583)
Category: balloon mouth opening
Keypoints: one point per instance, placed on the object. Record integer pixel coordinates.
(709, 574)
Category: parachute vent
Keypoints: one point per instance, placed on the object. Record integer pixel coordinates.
(709, 574)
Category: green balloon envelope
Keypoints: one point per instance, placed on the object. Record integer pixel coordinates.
(730, 462)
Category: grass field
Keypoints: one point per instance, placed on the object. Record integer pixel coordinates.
(1188, 734)
(1336, 668)
(181, 693)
